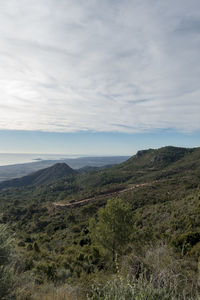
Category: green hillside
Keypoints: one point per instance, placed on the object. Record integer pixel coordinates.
(62, 231)
(40, 177)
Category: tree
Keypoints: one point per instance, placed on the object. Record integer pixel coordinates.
(114, 225)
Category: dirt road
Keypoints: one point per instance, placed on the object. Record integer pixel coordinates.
(98, 197)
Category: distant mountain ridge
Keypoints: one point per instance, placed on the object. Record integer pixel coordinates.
(147, 165)
(18, 170)
(40, 177)
(144, 166)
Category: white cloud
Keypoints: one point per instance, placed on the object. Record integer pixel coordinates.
(128, 66)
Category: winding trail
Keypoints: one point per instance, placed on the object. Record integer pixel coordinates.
(99, 197)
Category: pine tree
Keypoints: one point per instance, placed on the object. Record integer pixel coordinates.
(114, 225)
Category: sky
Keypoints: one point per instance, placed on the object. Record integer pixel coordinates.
(99, 77)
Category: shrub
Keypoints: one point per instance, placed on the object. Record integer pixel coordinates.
(186, 241)
(46, 271)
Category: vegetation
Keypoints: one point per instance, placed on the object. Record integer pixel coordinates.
(114, 226)
(6, 276)
(40, 177)
(135, 234)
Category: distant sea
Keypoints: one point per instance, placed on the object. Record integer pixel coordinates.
(20, 158)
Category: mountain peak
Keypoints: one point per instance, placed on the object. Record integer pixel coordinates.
(40, 177)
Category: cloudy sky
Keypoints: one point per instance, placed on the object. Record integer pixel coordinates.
(113, 67)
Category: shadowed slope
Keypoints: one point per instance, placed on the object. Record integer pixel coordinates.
(40, 177)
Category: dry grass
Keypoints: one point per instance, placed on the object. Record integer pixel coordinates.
(56, 295)
(49, 292)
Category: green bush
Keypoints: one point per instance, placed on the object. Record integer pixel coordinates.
(186, 241)
(46, 271)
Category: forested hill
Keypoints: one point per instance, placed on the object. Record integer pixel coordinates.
(145, 166)
(65, 221)
(159, 158)
(40, 177)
